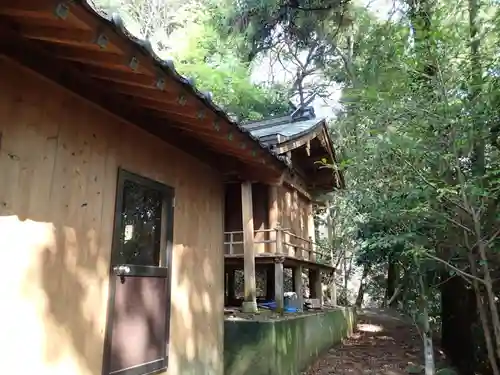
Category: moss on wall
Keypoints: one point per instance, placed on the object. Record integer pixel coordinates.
(283, 347)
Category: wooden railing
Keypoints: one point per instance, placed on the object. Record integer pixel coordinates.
(278, 240)
(234, 240)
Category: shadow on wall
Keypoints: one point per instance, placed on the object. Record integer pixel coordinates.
(58, 171)
(57, 246)
(56, 285)
(197, 327)
(60, 305)
(67, 272)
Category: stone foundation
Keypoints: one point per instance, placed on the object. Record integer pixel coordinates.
(284, 346)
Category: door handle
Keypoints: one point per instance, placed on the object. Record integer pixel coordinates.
(121, 270)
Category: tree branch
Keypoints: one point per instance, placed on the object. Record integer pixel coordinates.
(465, 275)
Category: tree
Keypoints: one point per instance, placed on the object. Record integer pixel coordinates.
(416, 122)
(204, 55)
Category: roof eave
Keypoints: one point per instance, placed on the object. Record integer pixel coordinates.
(115, 22)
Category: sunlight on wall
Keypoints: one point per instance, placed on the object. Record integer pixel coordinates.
(193, 298)
(38, 340)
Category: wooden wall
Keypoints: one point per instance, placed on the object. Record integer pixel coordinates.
(58, 166)
(294, 211)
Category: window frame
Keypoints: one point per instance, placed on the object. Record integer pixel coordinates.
(164, 270)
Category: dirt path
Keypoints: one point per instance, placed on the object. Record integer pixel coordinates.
(384, 344)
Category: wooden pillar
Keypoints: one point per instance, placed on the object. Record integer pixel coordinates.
(279, 289)
(273, 216)
(250, 297)
(297, 284)
(311, 232)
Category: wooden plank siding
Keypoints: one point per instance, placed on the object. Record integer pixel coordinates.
(293, 215)
(293, 212)
(59, 159)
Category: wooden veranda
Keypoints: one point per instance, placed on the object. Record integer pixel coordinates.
(271, 248)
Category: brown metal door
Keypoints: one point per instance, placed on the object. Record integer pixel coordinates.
(139, 307)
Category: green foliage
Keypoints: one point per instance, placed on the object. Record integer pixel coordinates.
(203, 54)
(263, 21)
(420, 146)
(216, 67)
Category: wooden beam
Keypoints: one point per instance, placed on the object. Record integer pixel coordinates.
(249, 175)
(250, 298)
(131, 58)
(99, 57)
(64, 34)
(172, 118)
(290, 145)
(204, 129)
(230, 148)
(146, 91)
(38, 61)
(296, 183)
(331, 151)
(208, 122)
(28, 8)
(128, 76)
(160, 100)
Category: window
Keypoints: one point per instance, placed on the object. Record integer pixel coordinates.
(140, 229)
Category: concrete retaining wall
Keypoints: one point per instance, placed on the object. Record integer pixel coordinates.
(283, 347)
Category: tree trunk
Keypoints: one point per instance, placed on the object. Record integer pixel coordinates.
(458, 313)
(346, 276)
(331, 244)
(362, 283)
(392, 282)
(483, 316)
(430, 367)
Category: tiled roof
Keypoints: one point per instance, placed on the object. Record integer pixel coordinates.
(285, 128)
(288, 130)
(167, 66)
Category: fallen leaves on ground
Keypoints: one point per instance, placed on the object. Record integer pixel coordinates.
(383, 344)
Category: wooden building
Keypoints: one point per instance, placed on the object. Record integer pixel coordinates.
(113, 177)
(280, 216)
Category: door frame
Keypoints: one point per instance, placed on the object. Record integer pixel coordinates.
(166, 250)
